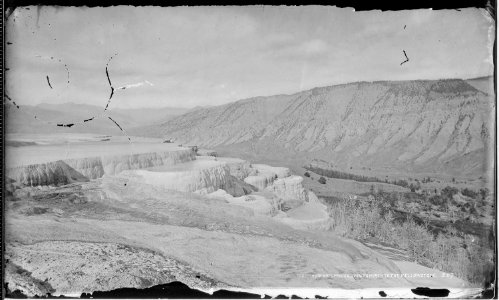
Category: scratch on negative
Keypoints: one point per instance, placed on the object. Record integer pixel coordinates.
(119, 127)
(66, 125)
(48, 81)
(109, 81)
(13, 102)
(406, 58)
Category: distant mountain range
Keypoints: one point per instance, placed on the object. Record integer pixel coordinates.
(22, 120)
(421, 125)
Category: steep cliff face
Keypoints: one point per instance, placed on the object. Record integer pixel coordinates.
(385, 123)
(260, 182)
(291, 189)
(262, 176)
(238, 168)
(279, 181)
(53, 173)
(90, 167)
(116, 164)
(203, 175)
(82, 169)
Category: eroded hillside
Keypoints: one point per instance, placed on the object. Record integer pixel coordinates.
(413, 125)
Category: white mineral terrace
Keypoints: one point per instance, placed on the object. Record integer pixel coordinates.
(190, 176)
(59, 160)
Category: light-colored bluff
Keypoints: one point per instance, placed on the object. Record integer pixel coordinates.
(203, 175)
(265, 189)
(86, 168)
(423, 124)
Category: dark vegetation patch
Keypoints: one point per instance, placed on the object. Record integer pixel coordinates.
(423, 203)
(330, 173)
(443, 226)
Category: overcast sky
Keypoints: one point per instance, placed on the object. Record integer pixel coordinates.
(214, 55)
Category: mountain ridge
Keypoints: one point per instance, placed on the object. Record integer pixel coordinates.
(413, 123)
(21, 120)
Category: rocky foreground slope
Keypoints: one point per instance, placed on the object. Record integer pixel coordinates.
(426, 125)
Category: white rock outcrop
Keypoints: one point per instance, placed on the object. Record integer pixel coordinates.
(258, 181)
(52, 173)
(199, 175)
(261, 175)
(115, 164)
(258, 203)
(203, 175)
(307, 216)
(291, 189)
(239, 168)
(263, 188)
(280, 182)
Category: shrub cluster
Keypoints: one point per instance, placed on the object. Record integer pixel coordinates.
(466, 256)
(344, 175)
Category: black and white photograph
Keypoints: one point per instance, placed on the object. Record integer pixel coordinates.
(251, 151)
